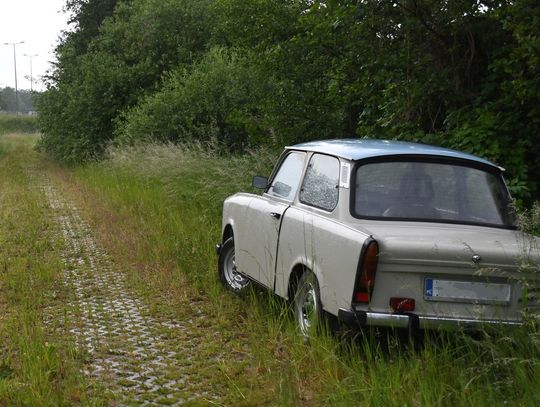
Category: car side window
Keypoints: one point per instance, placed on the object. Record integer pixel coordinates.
(321, 182)
(287, 179)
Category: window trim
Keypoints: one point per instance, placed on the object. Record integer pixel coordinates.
(424, 159)
(304, 178)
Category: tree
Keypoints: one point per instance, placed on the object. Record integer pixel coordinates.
(25, 98)
(218, 98)
(7, 100)
(461, 74)
(108, 62)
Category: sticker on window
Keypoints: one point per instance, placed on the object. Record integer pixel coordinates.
(345, 175)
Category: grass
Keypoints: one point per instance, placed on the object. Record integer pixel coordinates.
(11, 123)
(37, 367)
(158, 211)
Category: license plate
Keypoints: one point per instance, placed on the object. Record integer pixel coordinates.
(466, 291)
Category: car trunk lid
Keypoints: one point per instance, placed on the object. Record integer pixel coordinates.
(458, 271)
(464, 247)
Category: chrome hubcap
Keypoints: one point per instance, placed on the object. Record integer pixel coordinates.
(234, 279)
(307, 309)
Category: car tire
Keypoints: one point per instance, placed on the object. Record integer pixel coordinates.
(229, 277)
(307, 305)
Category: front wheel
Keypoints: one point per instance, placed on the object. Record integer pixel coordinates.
(228, 275)
(308, 310)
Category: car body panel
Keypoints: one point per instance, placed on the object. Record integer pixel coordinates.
(256, 247)
(328, 248)
(445, 244)
(410, 252)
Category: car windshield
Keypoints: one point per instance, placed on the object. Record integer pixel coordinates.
(444, 192)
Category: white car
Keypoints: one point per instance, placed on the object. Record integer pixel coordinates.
(382, 233)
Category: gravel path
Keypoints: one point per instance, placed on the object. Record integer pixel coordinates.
(127, 351)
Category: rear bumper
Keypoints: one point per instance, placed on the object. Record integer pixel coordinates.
(413, 321)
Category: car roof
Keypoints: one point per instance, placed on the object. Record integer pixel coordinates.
(359, 149)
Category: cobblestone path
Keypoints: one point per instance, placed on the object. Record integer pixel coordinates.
(129, 353)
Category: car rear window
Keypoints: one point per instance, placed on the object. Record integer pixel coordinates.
(431, 191)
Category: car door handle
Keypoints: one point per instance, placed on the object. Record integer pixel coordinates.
(275, 215)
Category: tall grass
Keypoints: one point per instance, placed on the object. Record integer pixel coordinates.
(10, 123)
(37, 367)
(163, 206)
(162, 185)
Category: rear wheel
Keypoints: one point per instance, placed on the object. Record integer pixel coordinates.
(308, 310)
(229, 276)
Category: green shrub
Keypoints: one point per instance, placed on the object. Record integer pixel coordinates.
(101, 73)
(216, 99)
(462, 75)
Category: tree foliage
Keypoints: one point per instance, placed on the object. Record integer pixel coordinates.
(124, 61)
(462, 74)
(217, 98)
(25, 99)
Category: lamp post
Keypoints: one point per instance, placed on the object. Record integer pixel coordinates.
(31, 75)
(15, 65)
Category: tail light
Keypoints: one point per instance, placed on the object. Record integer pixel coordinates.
(368, 268)
(398, 304)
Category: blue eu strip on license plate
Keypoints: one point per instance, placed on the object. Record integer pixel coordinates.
(429, 287)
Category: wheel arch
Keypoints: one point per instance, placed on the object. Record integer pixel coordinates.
(294, 277)
(228, 232)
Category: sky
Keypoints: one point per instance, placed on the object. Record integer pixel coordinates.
(36, 22)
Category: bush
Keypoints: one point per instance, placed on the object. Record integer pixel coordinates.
(457, 74)
(105, 72)
(217, 99)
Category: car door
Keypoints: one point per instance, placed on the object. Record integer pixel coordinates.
(312, 235)
(258, 252)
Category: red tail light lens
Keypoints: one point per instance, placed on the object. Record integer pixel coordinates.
(402, 304)
(368, 269)
(361, 297)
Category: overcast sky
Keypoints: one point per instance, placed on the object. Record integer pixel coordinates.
(36, 22)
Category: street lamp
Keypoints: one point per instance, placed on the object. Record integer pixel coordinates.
(31, 75)
(15, 65)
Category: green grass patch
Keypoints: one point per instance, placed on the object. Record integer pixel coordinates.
(158, 212)
(37, 366)
(10, 123)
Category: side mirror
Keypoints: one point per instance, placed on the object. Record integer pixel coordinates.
(259, 182)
